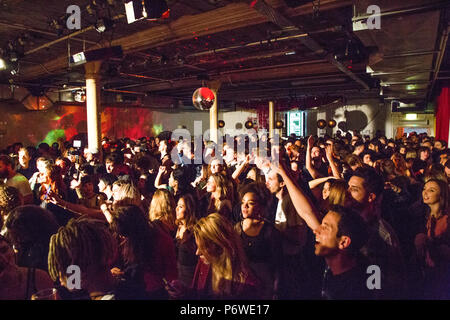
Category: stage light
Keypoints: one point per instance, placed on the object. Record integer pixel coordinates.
(96, 55)
(2, 64)
(321, 124)
(103, 25)
(145, 9)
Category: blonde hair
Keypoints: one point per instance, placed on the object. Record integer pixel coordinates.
(222, 246)
(127, 194)
(338, 192)
(162, 207)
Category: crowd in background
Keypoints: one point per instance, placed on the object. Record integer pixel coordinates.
(333, 217)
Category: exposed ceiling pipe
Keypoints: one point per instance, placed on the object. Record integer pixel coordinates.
(225, 73)
(439, 60)
(143, 77)
(257, 43)
(410, 54)
(69, 36)
(26, 28)
(284, 23)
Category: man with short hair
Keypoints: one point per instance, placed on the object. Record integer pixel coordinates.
(24, 166)
(359, 147)
(339, 239)
(12, 178)
(383, 247)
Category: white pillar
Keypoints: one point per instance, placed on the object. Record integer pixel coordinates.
(93, 105)
(271, 119)
(213, 119)
(214, 112)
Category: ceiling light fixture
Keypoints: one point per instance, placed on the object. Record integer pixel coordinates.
(2, 64)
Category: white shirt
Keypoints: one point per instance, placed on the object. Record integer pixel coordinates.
(280, 217)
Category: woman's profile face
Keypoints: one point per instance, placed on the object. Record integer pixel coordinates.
(326, 190)
(181, 209)
(211, 185)
(201, 252)
(431, 193)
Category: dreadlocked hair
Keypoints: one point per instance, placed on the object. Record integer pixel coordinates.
(84, 242)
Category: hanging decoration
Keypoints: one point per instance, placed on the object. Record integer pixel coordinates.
(203, 98)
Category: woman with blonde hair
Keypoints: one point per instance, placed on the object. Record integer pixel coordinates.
(221, 194)
(222, 271)
(162, 211)
(338, 193)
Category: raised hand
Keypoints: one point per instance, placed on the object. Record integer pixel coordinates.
(310, 141)
(329, 151)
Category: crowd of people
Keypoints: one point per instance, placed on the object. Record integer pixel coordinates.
(334, 217)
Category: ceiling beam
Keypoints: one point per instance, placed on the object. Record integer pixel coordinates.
(232, 16)
(283, 22)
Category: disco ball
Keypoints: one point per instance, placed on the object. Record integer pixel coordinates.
(203, 98)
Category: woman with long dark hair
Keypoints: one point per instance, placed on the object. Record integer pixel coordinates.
(185, 242)
(147, 255)
(433, 244)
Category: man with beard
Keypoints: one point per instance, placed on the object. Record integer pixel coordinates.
(11, 178)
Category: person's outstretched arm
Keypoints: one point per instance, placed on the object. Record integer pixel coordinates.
(300, 201)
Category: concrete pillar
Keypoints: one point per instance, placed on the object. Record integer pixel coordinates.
(93, 105)
(271, 119)
(214, 111)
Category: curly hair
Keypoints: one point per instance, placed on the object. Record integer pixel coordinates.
(85, 242)
(10, 198)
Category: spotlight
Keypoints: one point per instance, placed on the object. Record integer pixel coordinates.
(2, 64)
(103, 25)
(321, 124)
(100, 26)
(96, 55)
(249, 124)
(332, 123)
(148, 9)
(279, 124)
